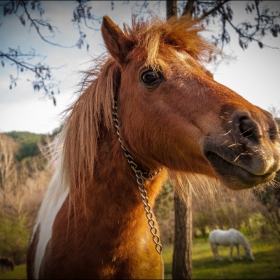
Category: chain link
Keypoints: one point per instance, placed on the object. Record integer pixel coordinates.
(141, 177)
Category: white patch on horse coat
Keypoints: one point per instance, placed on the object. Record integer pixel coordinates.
(55, 196)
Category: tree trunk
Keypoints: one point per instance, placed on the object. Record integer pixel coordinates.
(171, 8)
(182, 252)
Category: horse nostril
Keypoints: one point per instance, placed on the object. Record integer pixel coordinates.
(247, 128)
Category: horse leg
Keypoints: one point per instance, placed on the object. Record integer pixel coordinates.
(217, 256)
(238, 255)
(214, 248)
(230, 253)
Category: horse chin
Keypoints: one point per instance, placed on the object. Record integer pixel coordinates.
(234, 176)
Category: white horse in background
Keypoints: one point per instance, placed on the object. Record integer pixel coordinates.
(231, 237)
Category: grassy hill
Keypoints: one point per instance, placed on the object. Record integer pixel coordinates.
(28, 143)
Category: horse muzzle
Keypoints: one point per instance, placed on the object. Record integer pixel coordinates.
(246, 153)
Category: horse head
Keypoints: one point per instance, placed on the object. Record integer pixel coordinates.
(249, 253)
(173, 113)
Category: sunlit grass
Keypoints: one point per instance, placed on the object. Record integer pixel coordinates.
(167, 253)
(18, 273)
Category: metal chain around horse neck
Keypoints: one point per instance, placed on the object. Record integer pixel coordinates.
(140, 178)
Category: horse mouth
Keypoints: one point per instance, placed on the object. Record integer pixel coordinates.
(235, 176)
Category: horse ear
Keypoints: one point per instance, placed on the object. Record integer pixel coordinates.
(116, 42)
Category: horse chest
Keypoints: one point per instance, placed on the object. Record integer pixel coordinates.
(92, 261)
(98, 249)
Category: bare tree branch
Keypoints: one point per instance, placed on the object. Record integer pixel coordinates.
(249, 32)
(82, 13)
(265, 21)
(12, 7)
(43, 72)
(43, 76)
(212, 11)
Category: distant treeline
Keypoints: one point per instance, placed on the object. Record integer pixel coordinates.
(28, 143)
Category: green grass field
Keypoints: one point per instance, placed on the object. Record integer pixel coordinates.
(18, 273)
(265, 266)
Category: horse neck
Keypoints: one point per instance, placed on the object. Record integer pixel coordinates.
(114, 194)
(114, 175)
(243, 241)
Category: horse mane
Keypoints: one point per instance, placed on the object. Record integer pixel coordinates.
(76, 146)
(81, 131)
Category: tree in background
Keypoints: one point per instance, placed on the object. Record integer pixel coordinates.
(14, 236)
(7, 151)
(164, 211)
(23, 180)
(227, 209)
(270, 199)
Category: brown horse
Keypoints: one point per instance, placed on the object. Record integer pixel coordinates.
(6, 263)
(149, 105)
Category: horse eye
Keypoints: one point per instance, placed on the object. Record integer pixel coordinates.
(151, 77)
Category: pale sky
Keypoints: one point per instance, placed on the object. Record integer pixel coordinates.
(254, 73)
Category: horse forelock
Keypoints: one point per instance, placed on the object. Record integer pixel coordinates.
(181, 34)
